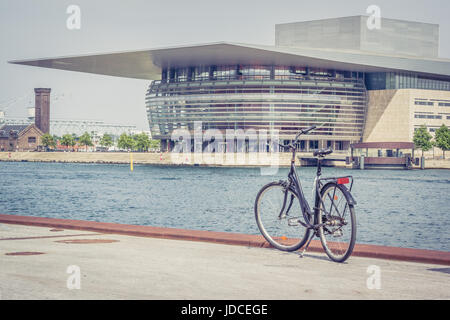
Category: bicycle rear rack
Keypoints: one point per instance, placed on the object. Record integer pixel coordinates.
(335, 179)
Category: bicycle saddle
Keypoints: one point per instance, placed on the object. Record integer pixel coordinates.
(322, 152)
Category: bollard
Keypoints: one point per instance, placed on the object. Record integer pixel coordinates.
(361, 162)
(131, 161)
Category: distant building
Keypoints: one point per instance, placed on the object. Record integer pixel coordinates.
(42, 109)
(20, 137)
(27, 137)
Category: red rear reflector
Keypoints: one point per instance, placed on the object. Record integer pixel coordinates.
(343, 180)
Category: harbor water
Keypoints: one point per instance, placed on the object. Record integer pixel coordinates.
(395, 207)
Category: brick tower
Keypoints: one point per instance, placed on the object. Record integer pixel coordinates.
(42, 109)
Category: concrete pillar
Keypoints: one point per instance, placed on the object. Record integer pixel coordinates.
(42, 109)
(321, 144)
(164, 145)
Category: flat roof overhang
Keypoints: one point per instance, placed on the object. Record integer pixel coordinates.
(147, 64)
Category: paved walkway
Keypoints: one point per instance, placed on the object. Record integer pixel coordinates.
(126, 267)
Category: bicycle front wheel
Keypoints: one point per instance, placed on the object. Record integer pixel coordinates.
(277, 213)
(338, 235)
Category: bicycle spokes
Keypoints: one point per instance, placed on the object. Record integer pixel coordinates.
(338, 230)
(278, 213)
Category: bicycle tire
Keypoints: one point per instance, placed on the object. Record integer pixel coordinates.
(338, 251)
(277, 231)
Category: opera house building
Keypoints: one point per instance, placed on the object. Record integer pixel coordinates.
(355, 84)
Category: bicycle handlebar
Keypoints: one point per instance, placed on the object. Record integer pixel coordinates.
(304, 131)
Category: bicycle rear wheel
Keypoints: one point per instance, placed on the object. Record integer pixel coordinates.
(338, 235)
(278, 225)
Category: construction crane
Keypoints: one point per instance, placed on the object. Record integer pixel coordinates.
(60, 127)
(5, 105)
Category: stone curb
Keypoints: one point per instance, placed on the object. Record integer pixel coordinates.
(360, 250)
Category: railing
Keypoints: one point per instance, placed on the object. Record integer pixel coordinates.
(262, 79)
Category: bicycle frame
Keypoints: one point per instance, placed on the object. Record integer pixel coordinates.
(304, 205)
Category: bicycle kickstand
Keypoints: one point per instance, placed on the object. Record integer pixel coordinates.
(307, 244)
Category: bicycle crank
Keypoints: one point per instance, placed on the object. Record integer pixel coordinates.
(293, 222)
(337, 233)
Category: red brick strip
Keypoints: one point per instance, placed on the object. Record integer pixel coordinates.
(361, 250)
(48, 237)
(87, 241)
(25, 253)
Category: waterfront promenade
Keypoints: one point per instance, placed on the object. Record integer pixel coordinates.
(122, 266)
(166, 159)
(147, 158)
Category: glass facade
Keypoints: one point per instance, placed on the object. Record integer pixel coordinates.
(404, 80)
(256, 97)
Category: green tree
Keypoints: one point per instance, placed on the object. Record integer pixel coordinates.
(48, 140)
(155, 144)
(142, 141)
(125, 142)
(442, 138)
(85, 140)
(422, 139)
(106, 141)
(68, 140)
(57, 140)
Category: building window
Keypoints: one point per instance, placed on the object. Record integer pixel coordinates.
(303, 145)
(255, 72)
(444, 104)
(201, 73)
(394, 80)
(424, 103)
(182, 74)
(323, 72)
(224, 72)
(427, 116)
(31, 139)
(339, 145)
(313, 144)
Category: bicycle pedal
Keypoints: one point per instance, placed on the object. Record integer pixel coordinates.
(293, 222)
(337, 234)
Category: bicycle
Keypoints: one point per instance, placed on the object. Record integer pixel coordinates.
(278, 206)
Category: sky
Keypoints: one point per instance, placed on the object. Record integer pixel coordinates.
(32, 29)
